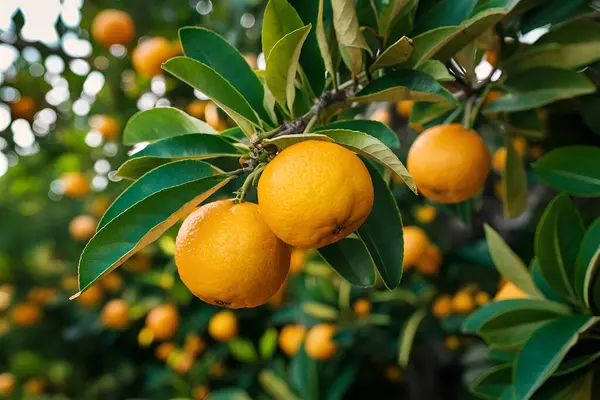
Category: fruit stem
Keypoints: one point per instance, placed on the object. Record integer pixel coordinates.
(467, 117)
(240, 194)
(310, 124)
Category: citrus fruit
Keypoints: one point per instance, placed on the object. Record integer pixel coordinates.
(113, 282)
(430, 261)
(499, 157)
(449, 163)
(211, 114)
(510, 291)
(382, 115)
(442, 306)
(106, 125)
(25, 108)
(491, 56)
(278, 298)
(7, 384)
(290, 338)
(164, 350)
(183, 363)
(297, 260)
(404, 108)
(163, 321)
(452, 342)
(217, 369)
(482, 298)
(227, 255)
(34, 386)
(138, 263)
(200, 392)
(41, 295)
(75, 185)
(25, 314)
(425, 214)
(362, 308)
(223, 326)
(196, 108)
(83, 227)
(393, 373)
(115, 314)
(315, 193)
(251, 60)
(463, 302)
(194, 344)
(415, 245)
(91, 297)
(113, 27)
(99, 205)
(319, 342)
(148, 56)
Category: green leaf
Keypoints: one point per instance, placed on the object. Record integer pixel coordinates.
(515, 183)
(342, 381)
(404, 85)
(493, 383)
(588, 262)
(553, 11)
(160, 123)
(282, 66)
(544, 351)
(376, 129)
(502, 354)
(141, 224)
(423, 113)
(407, 336)
(348, 34)
(580, 356)
(557, 241)
(508, 263)
(542, 285)
(268, 343)
(323, 42)
(382, 232)
(588, 107)
(572, 169)
(280, 19)
(437, 70)
(229, 394)
(490, 311)
(320, 311)
(242, 350)
(205, 79)
(350, 258)
(303, 375)
(444, 13)
(212, 50)
(427, 44)
(565, 387)
(538, 87)
(515, 327)
(393, 12)
(197, 146)
(275, 386)
(395, 54)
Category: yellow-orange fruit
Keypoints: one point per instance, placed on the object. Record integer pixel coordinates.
(381, 115)
(25, 314)
(415, 245)
(149, 55)
(83, 227)
(463, 302)
(291, 338)
(164, 350)
(25, 108)
(196, 108)
(200, 392)
(442, 307)
(425, 214)
(482, 298)
(163, 321)
(251, 60)
(393, 373)
(7, 384)
(34, 386)
(115, 314)
(510, 291)
(362, 308)
(194, 344)
(404, 108)
(297, 261)
(91, 297)
(113, 282)
(108, 126)
(430, 261)
(75, 185)
(211, 114)
(113, 27)
(452, 342)
(99, 205)
(319, 342)
(223, 326)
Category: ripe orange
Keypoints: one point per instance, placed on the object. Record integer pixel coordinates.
(164, 350)
(297, 260)
(25, 314)
(482, 298)
(149, 55)
(217, 369)
(499, 158)
(83, 227)
(415, 245)
(200, 392)
(91, 297)
(98, 206)
(7, 384)
(463, 302)
(163, 321)
(211, 114)
(442, 307)
(425, 214)
(115, 314)
(431, 260)
(41, 295)
(113, 282)
(25, 108)
(381, 115)
(362, 308)
(251, 59)
(510, 291)
(223, 326)
(194, 344)
(196, 108)
(319, 342)
(452, 342)
(113, 27)
(290, 338)
(404, 108)
(449, 163)
(492, 57)
(138, 263)
(108, 126)
(34, 386)
(279, 297)
(183, 363)
(226, 255)
(315, 193)
(499, 189)
(75, 185)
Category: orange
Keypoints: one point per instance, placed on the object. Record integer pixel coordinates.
(278, 298)
(291, 338)
(34, 386)
(211, 114)
(251, 60)
(70, 283)
(499, 189)
(91, 297)
(145, 337)
(25, 314)
(148, 56)
(417, 127)
(194, 344)
(415, 245)
(452, 342)
(106, 125)
(492, 57)
(297, 261)
(510, 291)
(163, 321)
(200, 392)
(196, 108)
(429, 263)
(425, 214)
(404, 108)
(41, 295)
(315, 193)
(99, 205)
(75, 185)
(83, 227)
(319, 342)
(25, 108)
(164, 350)
(482, 298)
(463, 302)
(449, 163)
(183, 362)
(7, 384)
(115, 314)
(226, 255)
(492, 96)
(113, 282)
(442, 307)
(113, 27)
(393, 373)
(138, 263)
(381, 115)
(223, 326)
(499, 160)
(520, 145)
(362, 308)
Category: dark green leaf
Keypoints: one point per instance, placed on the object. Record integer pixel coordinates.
(588, 261)
(515, 327)
(589, 107)
(502, 354)
(303, 375)
(552, 11)
(444, 13)
(322, 40)
(542, 285)
(423, 113)
(515, 183)
(229, 394)
(584, 353)
(342, 382)
(437, 70)
(376, 129)
(395, 54)
(394, 11)
(427, 44)
(493, 383)
(351, 260)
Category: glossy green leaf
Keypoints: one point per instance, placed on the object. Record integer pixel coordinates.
(282, 66)
(382, 232)
(275, 386)
(423, 113)
(514, 183)
(538, 87)
(557, 241)
(303, 375)
(141, 224)
(565, 387)
(551, 12)
(585, 352)
(544, 351)
(588, 262)
(526, 123)
(493, 383)
(508, 263)
(268, 343)
(350, 258)
(376, 129)
(515, 327)
(404, 85)
(542, 285)
(407, 336)
(212, 50)
(342, 381)
(242, 350)
(137, 167)
(437, 70)
(395, 54)
(502, 354)
(229, 394)
(323, 42)
(572, 169)
(427, 44)
(287, 140)
(280, 19)
(393, 12)
(205, 79)
(444, 13)
(160, 123)
(349, 34)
